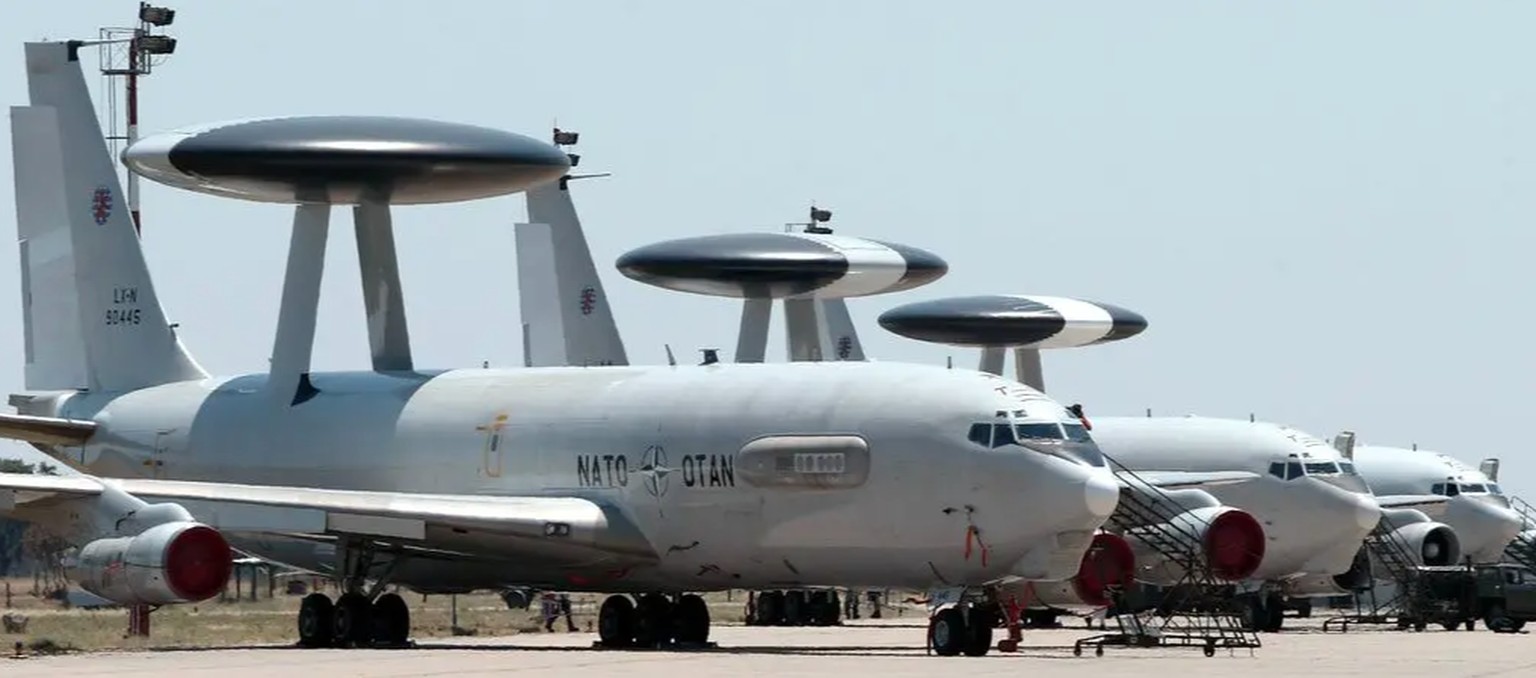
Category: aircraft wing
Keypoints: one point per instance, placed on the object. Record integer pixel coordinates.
(1169, 480)
(24, 488)
(1431, 504)
(549, 529)
(45, 430)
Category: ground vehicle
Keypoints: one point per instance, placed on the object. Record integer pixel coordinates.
(1502, 595)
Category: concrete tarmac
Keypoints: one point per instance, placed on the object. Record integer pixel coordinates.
(858, 649)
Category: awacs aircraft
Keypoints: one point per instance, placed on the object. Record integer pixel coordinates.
(1316, 510)
(1468, 499)
(652, 481)
(1229, 539)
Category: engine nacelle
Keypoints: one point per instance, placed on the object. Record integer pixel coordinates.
(1230, 539)
(176, 562)
(1108, 562)
(1429, 543)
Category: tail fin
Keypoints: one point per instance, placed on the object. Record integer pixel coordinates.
(841, 334)
(91, 318)
(566, 316)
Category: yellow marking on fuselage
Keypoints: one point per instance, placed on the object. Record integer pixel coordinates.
(492, 445)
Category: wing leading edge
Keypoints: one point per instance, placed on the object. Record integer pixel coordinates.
(549, 529)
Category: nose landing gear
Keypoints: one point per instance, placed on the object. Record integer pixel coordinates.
(964, 628)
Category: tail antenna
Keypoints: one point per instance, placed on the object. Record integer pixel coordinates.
(671, 360)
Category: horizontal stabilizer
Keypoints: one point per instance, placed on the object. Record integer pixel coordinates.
(45, 430)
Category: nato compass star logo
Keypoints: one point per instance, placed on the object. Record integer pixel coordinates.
(101, 204)
(654, 467)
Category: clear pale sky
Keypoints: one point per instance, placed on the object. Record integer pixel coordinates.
(1323, 208)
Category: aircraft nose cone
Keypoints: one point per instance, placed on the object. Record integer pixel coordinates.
(1367, 513)
(1102, 494)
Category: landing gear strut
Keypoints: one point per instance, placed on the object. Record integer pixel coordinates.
(359, 617)
(652, 621)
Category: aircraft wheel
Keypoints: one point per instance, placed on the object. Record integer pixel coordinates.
(947, 631)
(391, 620)
(978, 632)
(315, 614)
(352, 620)
(1274, 615)
(770, 608)
(690, 619)
(616, 622)
(653, 620)
(795, 608)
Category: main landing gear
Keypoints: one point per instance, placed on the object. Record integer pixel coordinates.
(963, 628)
(653, 620)
(359, 617)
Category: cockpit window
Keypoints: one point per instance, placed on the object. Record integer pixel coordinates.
(1077, 433)
(1002, 434)
(1321, 468)
(1292, 470)
(1067, 440)
(1474, 487)
(1277, 469)
(1039, 431)
(981, 434)
(1348, 468)
(1493, 488)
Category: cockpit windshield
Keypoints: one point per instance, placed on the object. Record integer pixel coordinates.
(1340, 473)
(1453, 489)
(1062, 439)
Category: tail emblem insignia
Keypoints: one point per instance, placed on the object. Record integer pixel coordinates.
(101, 205)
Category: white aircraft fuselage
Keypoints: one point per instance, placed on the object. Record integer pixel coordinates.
(1475, 506)
(1313, 522)
(662, 444)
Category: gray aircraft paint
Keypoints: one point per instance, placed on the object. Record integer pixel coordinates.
(524, 444)
(1483, 521)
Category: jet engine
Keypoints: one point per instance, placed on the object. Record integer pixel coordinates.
(174, 562)
(1231, 540)
(1429, 543)
(1109, 561)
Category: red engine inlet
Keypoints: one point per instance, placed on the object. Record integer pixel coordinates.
(198, 563)
(1234, 545)
(1108, 562)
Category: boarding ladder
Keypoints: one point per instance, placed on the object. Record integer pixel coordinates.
(1194, 611)
(1397, 568)
(1522, 549)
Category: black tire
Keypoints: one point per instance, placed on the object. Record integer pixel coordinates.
(315, 621)
(353, 620)
(834, 614)
(1495, 619)
(616, 622)
(391, 620)
(653, 621)
(690, 620)
(795, 608)
(770, 608)
(978, 632)
(947, 632)
(1274, 616)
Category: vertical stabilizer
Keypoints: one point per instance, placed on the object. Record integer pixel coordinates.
(566, 313)
(90, 313)
(841, 333)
